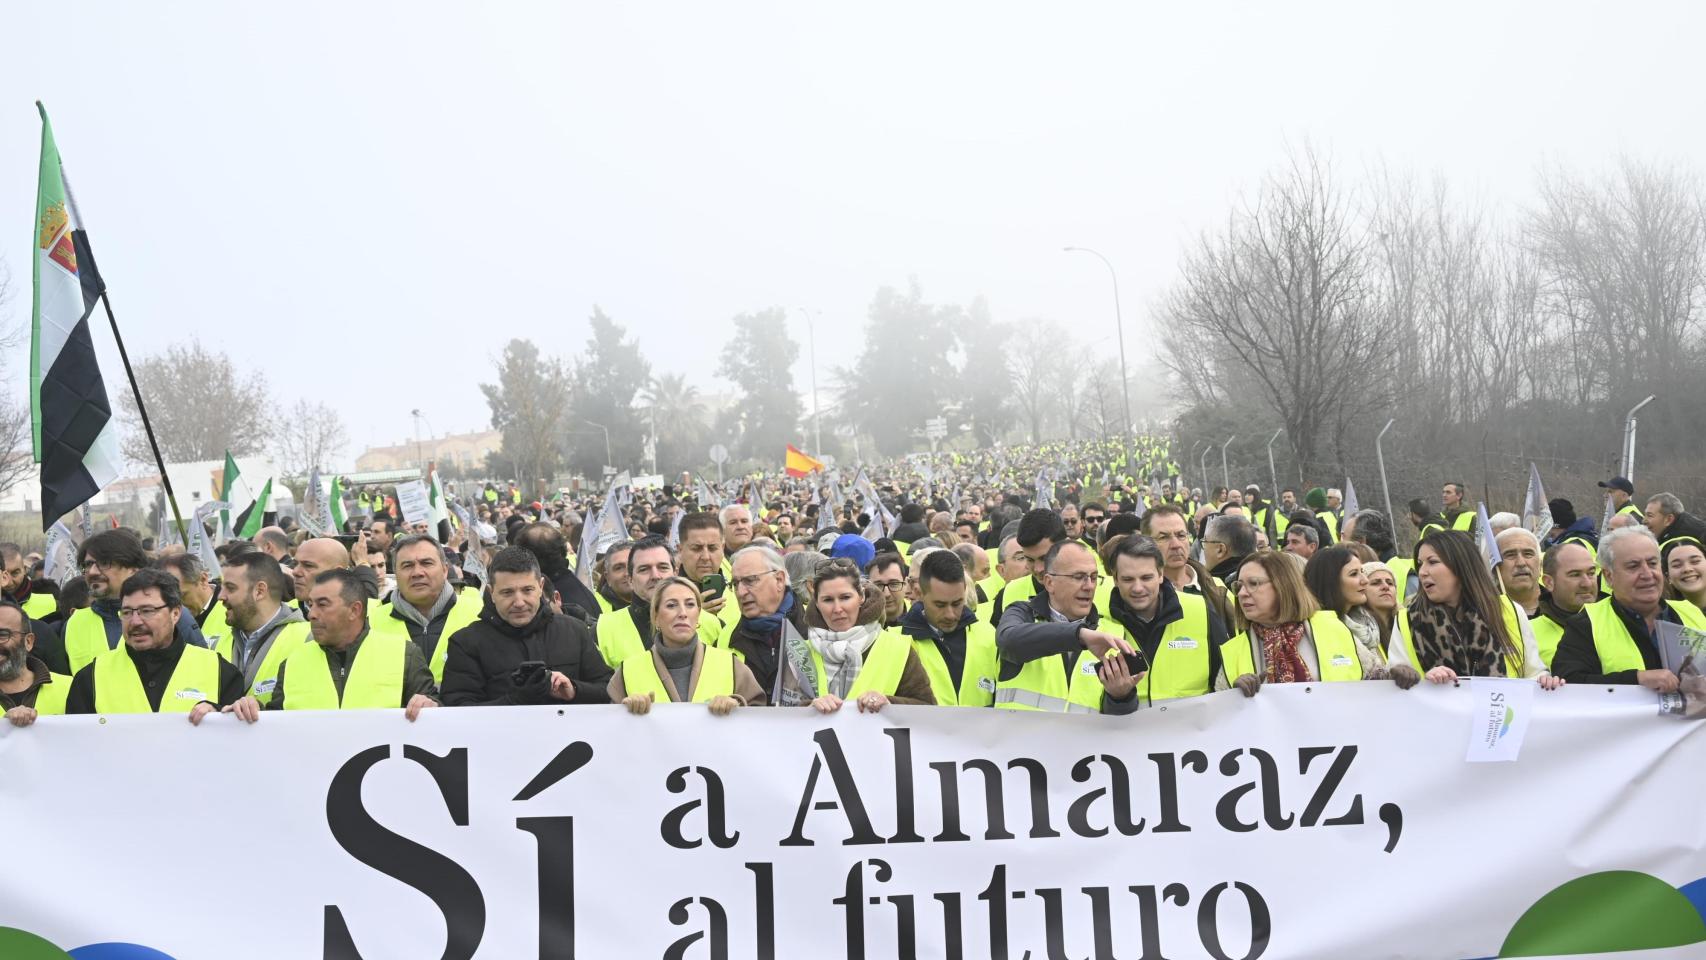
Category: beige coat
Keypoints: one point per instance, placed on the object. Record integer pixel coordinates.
(747, 690)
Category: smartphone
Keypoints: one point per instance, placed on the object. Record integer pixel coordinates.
(348, 539)
(1134, 664)
(714, 584)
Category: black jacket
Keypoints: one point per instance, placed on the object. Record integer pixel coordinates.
(1685, 525)
(155, 668)
(763, 650)
(1577, 659)
(1146, 636)
(484, 654)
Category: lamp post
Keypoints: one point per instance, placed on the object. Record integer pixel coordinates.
(811, 345)
(607, 457)
(1225, 474)
(1119, 327)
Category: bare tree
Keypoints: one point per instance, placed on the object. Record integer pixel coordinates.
(1034, 368)
(312, 436)
(200, 406)
(1283, 302)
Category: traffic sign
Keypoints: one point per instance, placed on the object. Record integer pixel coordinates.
(719, 453)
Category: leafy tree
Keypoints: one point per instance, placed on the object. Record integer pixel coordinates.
(986, 392)
(904, 375)
(678, 415)
(607, 378)
(200, 406)
(529, 404)
(760, 360)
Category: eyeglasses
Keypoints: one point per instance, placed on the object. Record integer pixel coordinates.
(6, 636)
(125, 613)
(1082, 579)
(97, 564)
(890, 586)
(1255, 583)
(752, 582)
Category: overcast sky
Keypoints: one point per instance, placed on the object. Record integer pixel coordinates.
(371, 198)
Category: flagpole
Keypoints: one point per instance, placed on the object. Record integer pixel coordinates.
(135, 391)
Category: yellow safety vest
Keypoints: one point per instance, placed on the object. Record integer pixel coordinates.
(284, 643)
(604, 606)
(1692, 616)
(1402, 568)
(1611, 640)
(375, 679)
(619, 637)
(879, 672)
(86, 639)
(463, 611)
(1013, 591)
(1513, 668)
(1331, 522)
(1335, 649)
(50, 696)
(214, 628)
(118, 687)
(716, 676)
(1180, 667)
(39, 605)
(977, 679)
(1041, 685)
(1463, 521)
(1547, 634)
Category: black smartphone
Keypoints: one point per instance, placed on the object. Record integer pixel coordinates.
(714, 584)
(1134, 664)
(348, 539)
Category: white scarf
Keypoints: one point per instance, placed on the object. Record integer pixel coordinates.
(843, 653)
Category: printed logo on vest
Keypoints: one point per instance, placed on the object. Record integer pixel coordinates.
(1340, 660)
(191, 694)
(266, 686)
(1088, 668)
(986, 684)
(1183, 643)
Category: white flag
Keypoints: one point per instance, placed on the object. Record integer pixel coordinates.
(1350, 506)
(1536, 509)
(1489, 545)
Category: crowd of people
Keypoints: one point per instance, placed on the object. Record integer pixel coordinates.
(1078, 578)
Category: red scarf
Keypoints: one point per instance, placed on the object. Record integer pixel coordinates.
(1285, 664)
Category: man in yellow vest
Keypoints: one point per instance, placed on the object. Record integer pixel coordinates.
(155, 670)
(616, 585)
(200, 593)
(261, 629)
(27, 688)
(1052, 648)
(1570, 578)
(704, 562)
(1457, 514)
(107, 560)
(346, 667)
(1168, 526)
(1176, 636)
(16, 585)
(1040, 530)
(1615, 640)
(737, 527)
(425, 608)
(955, 649)
(625, 632)
(1519, 570)
(1622, 493)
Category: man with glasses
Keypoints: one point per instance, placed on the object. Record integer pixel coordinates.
(1168, 527)
(27, 687)
(107, 560)
(1054, 658)
(1094, 514)
(887, 572)
(155, 670)
(1228, 541)
(769, 613)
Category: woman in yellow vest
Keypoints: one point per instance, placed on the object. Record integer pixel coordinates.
(1685, 579)
(1290, 638)
(1382, 599)
(680, 667)
(1335, 579)
(1458, 625)
(852, 658)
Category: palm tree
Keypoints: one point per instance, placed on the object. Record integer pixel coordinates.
(678, 417)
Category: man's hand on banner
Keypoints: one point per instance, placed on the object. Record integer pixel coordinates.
(246, 709)
(417, 703)
(21, 716)
(1249, 683)
(200, 710)
(1662, 681)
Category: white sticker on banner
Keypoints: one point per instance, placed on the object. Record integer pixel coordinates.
(1500, 720)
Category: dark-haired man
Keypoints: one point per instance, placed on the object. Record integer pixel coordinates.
(956, 651)
(155, 670)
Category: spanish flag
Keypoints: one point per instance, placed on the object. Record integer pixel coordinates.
(799, 464)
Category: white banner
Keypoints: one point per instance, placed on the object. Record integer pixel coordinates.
(412, 500)
(1338, 822)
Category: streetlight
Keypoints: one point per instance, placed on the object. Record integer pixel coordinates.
(811, 341)
(1119, 327)
(607, 458)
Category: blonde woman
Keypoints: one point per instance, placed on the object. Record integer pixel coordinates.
(679, 667)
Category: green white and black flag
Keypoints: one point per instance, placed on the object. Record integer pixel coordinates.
(76, 436)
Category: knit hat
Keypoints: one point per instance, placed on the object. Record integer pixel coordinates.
(1316, 498)
(1563, 511)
